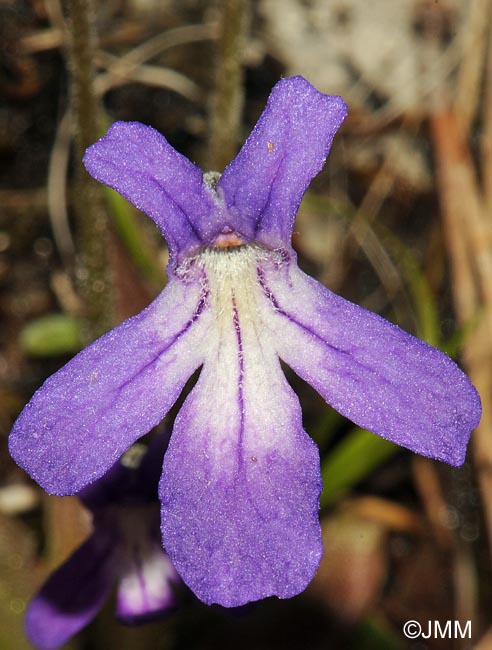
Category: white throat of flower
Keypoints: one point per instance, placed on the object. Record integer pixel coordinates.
(240, 361)
(229, 276)
(232, 279)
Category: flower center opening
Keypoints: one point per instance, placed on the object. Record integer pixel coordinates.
(227, 240)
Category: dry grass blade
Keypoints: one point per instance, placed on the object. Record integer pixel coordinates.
(485, 642)
(171, 38)
(391, 515)
(429, 489)
(468, 235)
(486, 135)
(361, 235)
(67, 525)
(454, 212)
(439, 519)
(129, 67)
(57, 189)
(161, 77)
(46, 39)
(470, 72)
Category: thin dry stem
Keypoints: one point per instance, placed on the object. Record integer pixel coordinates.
(229, 95)
(93, 230)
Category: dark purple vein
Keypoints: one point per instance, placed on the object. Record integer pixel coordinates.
(237, 329)
(199, 309)
(271, 297)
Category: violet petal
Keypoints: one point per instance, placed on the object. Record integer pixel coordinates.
(88, 413)
(146, 591)
(265, 183)
(73, 594)
(370, 370)
(138, 162)
(240, 485)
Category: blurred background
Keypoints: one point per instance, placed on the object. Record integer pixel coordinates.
(400, 221)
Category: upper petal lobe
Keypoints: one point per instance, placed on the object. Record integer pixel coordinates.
(263, 186)
(138, 162)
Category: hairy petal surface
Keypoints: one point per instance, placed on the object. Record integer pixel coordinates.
(240, 485)
(370, 370)
(139, 163)
(87, 414)
(265, 183)
(73, 594)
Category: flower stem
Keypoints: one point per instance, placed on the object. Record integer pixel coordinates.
(92, 266)
(228, 99)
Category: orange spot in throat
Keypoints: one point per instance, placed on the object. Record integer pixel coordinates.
(228, 240)
(270, 146)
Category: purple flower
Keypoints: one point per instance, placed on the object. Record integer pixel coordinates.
(124, 549)
(241, 481)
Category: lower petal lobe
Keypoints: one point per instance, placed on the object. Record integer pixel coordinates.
(370, 370)
(73, 594)
(240, 486)
(87, 414)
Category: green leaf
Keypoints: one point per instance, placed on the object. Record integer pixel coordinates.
(352, 460)
(130, 234)
(326, 427)
(51, 335)
(428, 327)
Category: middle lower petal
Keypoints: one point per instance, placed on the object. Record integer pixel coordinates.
(240, 486)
